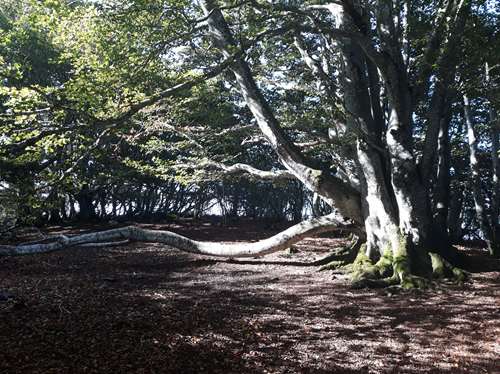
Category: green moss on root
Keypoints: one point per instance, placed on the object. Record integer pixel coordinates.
(438, 267)
(401, 265)
(444, 269)
(410, 282)
(396, 268)
(361, 259)
(362, 267)
(401, 260)
(459, 274)
(384, 264)
(334, 265)
(342, 258)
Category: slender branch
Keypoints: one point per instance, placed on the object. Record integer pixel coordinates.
(446, 18)
(96, 144)
(135, 108)
(316, 68)
(245, 168)
(235, 129)
(227, 7)
(24, 113)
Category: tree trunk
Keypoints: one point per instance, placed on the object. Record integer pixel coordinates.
(102, 203)
(394, 207)
(334, 190)
(454, 223)
(84, 199)
(379, 213)
(486, 226)
(495, 165)
(441, 195)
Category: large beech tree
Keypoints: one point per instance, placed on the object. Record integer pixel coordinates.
(387, 82)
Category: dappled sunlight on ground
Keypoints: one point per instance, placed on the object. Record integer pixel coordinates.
(147, 309)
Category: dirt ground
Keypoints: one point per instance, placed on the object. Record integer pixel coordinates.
(146, 308)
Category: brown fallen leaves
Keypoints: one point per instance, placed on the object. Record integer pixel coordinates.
(141, 309)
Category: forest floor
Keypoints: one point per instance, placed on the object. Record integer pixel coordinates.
(144, 308)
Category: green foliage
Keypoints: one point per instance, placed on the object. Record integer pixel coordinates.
(69, 69)
(8, 209)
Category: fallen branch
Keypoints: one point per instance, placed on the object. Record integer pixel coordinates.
(275, 243)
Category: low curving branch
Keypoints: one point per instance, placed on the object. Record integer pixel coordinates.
(247, 169)
(275, 243)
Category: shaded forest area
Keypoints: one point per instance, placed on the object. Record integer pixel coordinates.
(143, 309)
(249, 186)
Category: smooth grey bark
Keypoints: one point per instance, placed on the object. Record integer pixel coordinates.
(485, 224)
(360, 93)
(454, 215)
(441, 193)
(413, 212)
(247, 169)
(375, 99)
(380, 217)
(412, 202)
(495, 164)
(361, 88)
(275, 243)
(334, 190)
(316, 205)
(439, 110)
(413, 205)
(432, 135)
(408, 189)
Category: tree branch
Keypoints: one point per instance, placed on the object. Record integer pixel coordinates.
(446, 20)
(339, 194)
(275, 243)
(245, 168)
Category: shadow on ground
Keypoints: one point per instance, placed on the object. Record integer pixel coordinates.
(148, 309)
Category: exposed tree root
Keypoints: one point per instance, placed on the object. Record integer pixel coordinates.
(441, 268)
(395, 268)
(343, 257)
(364, 268)
(376, 283)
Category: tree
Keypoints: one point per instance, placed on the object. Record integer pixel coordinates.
(384, 84)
